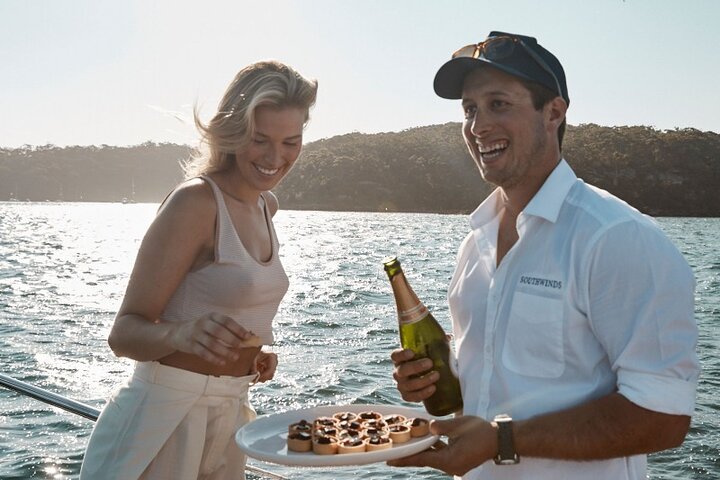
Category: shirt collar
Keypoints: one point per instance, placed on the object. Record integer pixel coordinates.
(487, 211)
(549, 199)
(546, 203)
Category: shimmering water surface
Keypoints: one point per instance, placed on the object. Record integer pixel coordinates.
(63, 269)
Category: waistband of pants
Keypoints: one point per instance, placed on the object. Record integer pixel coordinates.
(185, 380)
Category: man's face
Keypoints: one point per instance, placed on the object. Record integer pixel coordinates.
(506, 136)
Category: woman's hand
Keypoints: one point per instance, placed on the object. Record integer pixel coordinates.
(215, 338)
(265, 365)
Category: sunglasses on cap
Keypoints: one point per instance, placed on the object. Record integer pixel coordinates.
(498, 48)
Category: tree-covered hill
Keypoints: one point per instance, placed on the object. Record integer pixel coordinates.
(425, 169)
(143, 173)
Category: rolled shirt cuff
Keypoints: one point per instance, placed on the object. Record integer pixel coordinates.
(669, 395)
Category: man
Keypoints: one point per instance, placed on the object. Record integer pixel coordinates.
(573, 313)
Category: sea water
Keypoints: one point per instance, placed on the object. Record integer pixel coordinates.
(63, 271)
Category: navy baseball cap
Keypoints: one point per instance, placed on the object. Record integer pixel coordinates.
(514, 54)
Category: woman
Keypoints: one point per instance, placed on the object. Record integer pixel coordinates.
(205, 287)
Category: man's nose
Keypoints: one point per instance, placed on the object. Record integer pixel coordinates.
(480, 125)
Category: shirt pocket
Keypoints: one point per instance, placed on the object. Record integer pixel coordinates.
(534, 337)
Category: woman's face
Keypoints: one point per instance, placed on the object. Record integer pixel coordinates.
(274, 146)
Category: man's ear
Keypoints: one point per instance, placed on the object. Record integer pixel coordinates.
(555, 112)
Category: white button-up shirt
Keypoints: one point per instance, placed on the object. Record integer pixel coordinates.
(592, 298)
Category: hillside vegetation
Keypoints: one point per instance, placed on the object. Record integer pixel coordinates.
(425, 169)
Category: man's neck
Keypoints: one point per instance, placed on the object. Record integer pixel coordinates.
(516, 197)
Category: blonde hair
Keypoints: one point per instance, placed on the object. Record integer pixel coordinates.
(261, 83)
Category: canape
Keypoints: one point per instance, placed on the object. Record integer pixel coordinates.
(419, 427)
(369, 415)
(345, 416)
(400, 433)
(301, 426)
(351, 445)
(299, 442)
(325, 422)
(378, 442)
(323, 445)
(394, 419)
(325, 431)
(350, 425)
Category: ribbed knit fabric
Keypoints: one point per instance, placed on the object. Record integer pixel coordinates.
(235, 284)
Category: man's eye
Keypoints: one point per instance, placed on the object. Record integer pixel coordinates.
(498, 103)
(258, 141)
(469, 111)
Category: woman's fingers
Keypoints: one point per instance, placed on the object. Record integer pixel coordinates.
(214, 337)
(228, 334)
(266, 365)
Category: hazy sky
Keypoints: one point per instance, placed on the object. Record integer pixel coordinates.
(128, 71)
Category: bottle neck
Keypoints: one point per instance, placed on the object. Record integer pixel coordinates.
(409, 307)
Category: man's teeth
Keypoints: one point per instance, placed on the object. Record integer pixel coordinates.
(491, 151)
(267, 171)
(492, 147)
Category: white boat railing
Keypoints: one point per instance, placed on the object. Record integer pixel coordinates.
(85, 410)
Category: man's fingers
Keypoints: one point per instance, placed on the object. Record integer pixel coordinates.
(447, 428)
(455, 427)
(401, 356)
(433, 458)
(439, 445)
(418, 389)
(413, 368)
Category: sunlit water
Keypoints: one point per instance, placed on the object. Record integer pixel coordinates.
(63, 269)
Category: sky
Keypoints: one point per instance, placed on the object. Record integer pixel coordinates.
(100, 72)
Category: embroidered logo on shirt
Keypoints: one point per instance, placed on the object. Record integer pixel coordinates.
(540, 282)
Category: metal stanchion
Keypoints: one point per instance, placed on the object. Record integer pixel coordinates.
(84, 410)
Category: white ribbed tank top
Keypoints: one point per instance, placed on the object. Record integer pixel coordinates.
(235, 284)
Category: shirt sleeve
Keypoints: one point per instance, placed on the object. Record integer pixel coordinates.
(641, 298)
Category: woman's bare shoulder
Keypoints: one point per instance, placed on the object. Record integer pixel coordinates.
(191, 198)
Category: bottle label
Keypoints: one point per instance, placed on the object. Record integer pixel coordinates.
(412, 315)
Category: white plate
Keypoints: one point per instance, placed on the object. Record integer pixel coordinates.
(265, 438)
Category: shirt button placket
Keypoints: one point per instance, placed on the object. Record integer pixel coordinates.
(488, 348)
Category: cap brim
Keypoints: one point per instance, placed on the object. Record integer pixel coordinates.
(449, 78)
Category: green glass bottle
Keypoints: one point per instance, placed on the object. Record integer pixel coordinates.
(421, 333)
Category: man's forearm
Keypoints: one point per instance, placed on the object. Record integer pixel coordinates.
(611, 426)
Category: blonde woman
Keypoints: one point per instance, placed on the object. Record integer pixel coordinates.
(202, 295)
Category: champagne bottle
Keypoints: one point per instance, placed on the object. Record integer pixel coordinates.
(421, 333)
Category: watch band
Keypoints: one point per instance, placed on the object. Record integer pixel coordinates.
(506, 446)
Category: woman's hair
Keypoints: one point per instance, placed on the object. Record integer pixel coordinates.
(262, 83)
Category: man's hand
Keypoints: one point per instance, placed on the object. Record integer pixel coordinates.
(471, 442)
(408, 373)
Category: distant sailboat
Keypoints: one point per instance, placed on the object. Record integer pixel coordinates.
(132, 193)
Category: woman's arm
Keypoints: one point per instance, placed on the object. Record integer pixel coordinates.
(180, 238)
